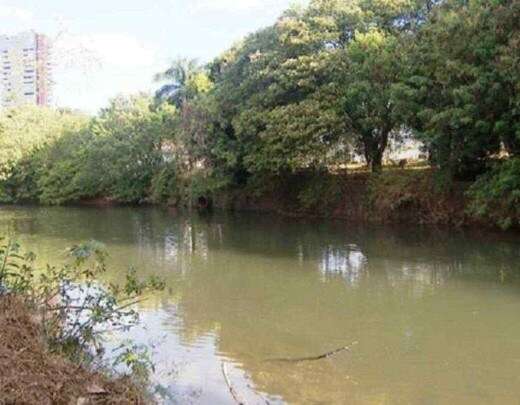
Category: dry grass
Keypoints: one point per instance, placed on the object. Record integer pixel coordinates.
(29, 374)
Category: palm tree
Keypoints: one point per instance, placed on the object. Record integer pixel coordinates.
(176, 88)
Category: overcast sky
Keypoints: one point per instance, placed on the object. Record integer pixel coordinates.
(109, 47)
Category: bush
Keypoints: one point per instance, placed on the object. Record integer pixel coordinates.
(72, 305)
(496, 195)
(114, 155)
(395, 196)
(164, 185)
(320, 192)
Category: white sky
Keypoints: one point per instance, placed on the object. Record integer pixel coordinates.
(116, 46)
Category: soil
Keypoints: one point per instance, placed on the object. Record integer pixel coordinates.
(30, 374)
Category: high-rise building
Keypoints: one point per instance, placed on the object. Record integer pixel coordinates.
(25, 69)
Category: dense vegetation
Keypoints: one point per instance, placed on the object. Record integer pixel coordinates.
(324, 83)
(63, 313)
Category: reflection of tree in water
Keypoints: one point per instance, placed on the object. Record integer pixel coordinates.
(261, 294)
(166, 239)
(349, 262)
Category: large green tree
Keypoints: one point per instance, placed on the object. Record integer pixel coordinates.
(26, 128)
(373, 63)
(277, 99)
(113, 155)
(372, 73)
(299, 94)
(462, 93)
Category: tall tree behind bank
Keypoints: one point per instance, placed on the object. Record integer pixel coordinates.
(463, 92)
(374, 66)
(276, 101)
(305, 92)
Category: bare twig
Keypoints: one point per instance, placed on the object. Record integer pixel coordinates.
(231, 389)
(314, 358)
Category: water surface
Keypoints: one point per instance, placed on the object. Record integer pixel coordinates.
(435, 313)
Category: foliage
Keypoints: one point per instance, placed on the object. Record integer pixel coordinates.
(301, 93)
(462, 93)
(372, 72)
(115, 156)
(321, 192)
(323, 83)
(24, 129)
(276, 100)
(398, 195)
(184, 80)
(496, 195)
(164, 184)
(72, 304)
(135, 358)
(127, 147)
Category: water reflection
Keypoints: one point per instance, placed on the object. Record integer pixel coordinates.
(350, 263)
(435, 313)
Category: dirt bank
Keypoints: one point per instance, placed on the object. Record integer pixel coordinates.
(394, 196)
(29, 374)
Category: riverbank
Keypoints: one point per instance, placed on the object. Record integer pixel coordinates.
(396, 196)
(31, 374)
(413, 196)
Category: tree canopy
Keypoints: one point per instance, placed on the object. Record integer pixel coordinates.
(323, 84)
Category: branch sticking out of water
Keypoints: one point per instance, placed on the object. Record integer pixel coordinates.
(315, 358)
(230, 386)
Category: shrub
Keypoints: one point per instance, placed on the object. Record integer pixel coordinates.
(73, 306)
(412, 196)
(496, 195)
(164, 186)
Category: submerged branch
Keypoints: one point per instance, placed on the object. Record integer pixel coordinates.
(315, 358)
(230, 386)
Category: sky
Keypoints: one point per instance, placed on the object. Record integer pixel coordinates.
(110, 47)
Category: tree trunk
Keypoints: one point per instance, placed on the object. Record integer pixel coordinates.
(375, 147)
(376, 165)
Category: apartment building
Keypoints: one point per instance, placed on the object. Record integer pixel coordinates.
(25, 69)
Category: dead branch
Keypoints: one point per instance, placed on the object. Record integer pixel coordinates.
(230, 386)
(315, 358)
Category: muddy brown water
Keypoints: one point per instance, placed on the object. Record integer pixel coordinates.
(435, 314)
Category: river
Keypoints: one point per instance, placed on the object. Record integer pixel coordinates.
(435, 313)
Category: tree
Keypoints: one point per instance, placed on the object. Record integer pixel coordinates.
(24, 129)
(25, 132)
(373, 64)
(127, 146)
(115, 155)
(277, 98)
(463, 90)
(185, 79)
(372, 72)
